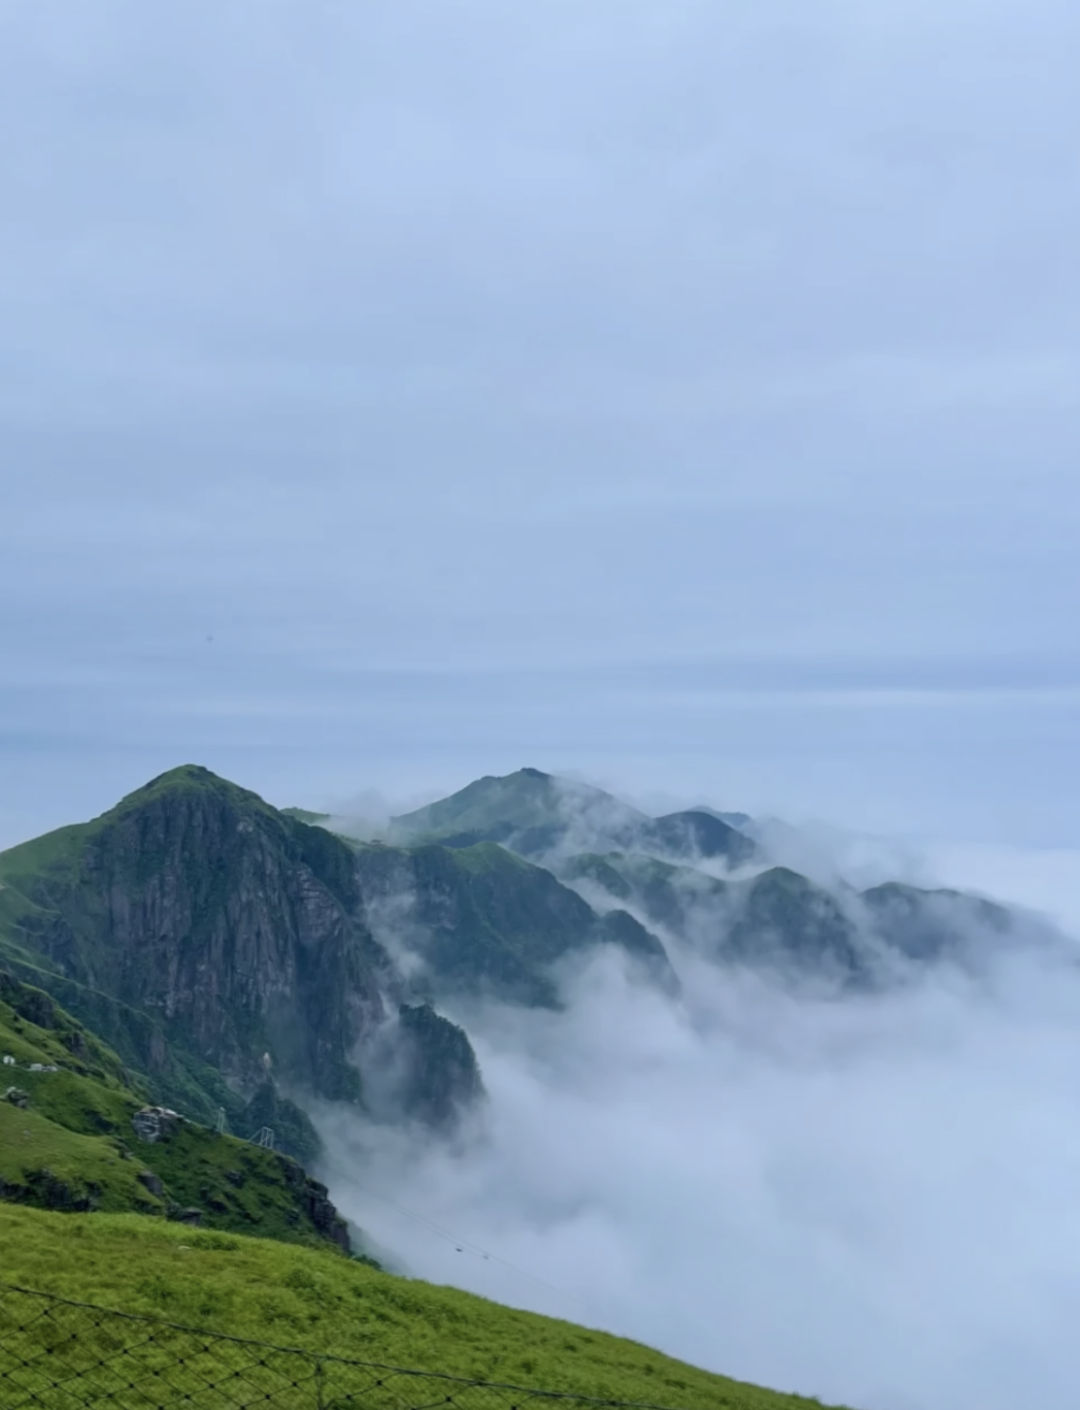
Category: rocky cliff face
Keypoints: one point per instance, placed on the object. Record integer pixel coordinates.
(440, 1076)
(194, 901)
(210, 936)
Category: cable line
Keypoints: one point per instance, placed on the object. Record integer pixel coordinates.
(460, 1244)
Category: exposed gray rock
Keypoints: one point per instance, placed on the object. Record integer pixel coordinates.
(155, 1123)
(151, 1181)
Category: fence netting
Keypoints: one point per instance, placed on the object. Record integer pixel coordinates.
(60, 1354)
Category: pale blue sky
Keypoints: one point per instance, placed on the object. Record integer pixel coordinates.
(682, 393)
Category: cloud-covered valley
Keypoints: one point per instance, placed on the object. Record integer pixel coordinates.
(868, 1197)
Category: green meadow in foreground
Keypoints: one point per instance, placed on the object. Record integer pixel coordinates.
(317, 1300)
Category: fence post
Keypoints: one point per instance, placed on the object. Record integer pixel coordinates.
(320, 1404)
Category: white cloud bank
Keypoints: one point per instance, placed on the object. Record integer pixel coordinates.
(873, 1201)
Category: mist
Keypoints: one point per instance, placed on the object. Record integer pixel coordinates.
(870, 1199)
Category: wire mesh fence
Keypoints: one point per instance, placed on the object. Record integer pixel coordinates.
(62, 1355)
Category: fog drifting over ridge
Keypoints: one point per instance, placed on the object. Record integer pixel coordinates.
(867, 1199)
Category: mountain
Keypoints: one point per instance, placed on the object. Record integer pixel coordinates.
(483, 920)
(783, 920)
(531, 810)
(208, 954)
(670, 896)
(207, 936)
(211, 940)
(743, 821)
(779, 920)
(237, 963)
(536, 814)
(926, 925)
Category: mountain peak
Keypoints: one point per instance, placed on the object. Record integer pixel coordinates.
(496, 808)
(186, 781)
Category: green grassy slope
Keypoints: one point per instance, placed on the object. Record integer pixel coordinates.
(316, 1301)
(43, 1163)
(73, 1147)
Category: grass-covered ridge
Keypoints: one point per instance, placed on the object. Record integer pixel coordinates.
(318, 1302)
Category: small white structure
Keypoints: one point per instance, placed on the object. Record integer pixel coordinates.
(9, 1061)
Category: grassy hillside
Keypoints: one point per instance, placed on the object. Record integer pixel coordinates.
(314, 1300)
(72, 1147)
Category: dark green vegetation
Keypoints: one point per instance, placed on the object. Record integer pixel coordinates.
(67, 1140)
(314, 1300)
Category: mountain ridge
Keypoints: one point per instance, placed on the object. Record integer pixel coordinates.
(245, 960)
(537, 814)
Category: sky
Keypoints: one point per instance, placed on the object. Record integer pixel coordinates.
(680, 394)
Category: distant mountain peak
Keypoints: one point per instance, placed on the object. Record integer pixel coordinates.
(541, 815)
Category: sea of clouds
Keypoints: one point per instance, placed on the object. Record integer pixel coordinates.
(871, 1199)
